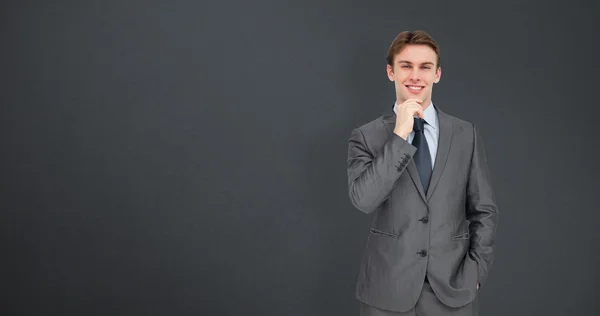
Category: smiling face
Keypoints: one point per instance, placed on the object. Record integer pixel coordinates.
(414, 72)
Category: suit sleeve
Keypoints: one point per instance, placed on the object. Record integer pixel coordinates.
(481, 210)
(372, 178)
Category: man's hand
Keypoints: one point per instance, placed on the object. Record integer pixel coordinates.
(405, 113)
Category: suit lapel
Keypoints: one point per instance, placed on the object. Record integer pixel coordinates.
(414, 174)
(444, 143)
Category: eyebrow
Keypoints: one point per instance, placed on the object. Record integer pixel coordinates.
(408, 62)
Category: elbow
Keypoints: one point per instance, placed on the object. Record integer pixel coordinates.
(360, 202)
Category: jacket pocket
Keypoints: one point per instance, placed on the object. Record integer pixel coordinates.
(381, 233)
(466, 235)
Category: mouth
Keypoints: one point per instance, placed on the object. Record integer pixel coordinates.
(414, 89)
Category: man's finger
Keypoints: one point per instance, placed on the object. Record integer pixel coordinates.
(413, 104)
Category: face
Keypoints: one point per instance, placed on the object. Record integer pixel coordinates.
(414, 73)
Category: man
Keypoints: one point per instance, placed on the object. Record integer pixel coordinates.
(424, 173)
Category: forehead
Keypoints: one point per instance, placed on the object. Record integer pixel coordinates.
(416, 54)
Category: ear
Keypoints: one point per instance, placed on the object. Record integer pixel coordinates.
(390, 72)
(438, 75)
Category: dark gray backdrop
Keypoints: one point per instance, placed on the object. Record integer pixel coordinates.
(188, 157)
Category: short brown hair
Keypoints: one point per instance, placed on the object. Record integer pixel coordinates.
(418, 37)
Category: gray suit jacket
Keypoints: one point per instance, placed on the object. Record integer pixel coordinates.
(447, 234)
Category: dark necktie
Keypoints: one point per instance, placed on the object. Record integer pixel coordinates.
(422, 157)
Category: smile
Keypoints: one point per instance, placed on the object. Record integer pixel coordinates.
(415, 88)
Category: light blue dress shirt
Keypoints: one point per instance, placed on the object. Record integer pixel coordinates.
(432, 130)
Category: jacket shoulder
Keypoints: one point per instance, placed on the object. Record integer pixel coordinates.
(374, 126)
(461, 124)
(372, 135)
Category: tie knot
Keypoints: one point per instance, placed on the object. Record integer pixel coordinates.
(419, 124)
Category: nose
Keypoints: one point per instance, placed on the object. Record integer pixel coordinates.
(414, 75)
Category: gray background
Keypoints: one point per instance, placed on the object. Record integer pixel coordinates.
(188, 157)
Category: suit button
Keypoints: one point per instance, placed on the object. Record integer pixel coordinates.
(424, 219)
(422, 253)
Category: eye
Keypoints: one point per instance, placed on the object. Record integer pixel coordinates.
(426, 67)
(405, 66)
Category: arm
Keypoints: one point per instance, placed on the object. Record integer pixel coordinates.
(481, 210)
(371, 179)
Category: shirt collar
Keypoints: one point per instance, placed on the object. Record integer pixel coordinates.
(429, 114)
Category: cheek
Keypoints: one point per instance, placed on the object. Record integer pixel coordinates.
(432, 79)
(400, 79)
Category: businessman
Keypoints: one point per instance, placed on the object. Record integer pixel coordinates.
(424, 174)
